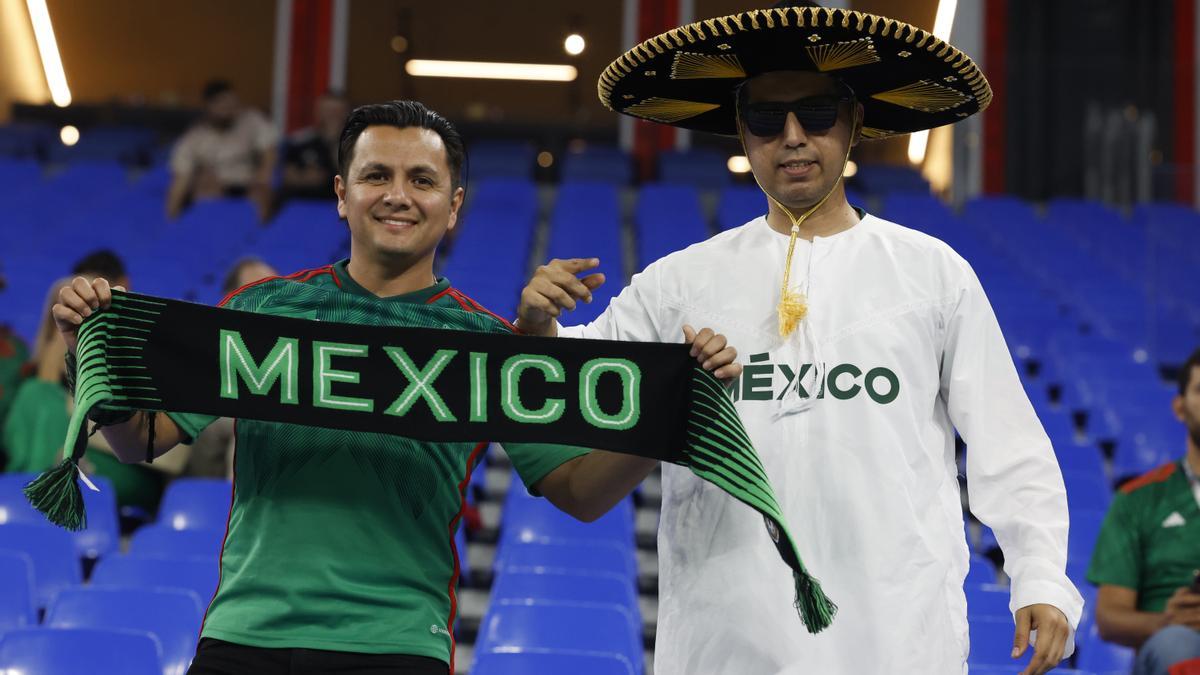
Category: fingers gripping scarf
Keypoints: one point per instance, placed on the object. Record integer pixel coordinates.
(433, 384)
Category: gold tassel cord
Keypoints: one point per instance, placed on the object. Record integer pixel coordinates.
(793, 305)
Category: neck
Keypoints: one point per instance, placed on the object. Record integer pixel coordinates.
(835, 215)
(1193, 455)
(386, 279)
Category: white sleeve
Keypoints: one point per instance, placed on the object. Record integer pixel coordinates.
(635, 315)
(1013, 479)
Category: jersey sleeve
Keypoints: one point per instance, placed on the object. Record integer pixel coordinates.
(1116, 559)
(535, 461)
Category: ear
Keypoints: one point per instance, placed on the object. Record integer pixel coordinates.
(339, 189)
(1177, 408)
(455, 204)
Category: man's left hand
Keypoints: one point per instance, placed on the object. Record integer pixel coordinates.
(712, 352)
(1052, 633)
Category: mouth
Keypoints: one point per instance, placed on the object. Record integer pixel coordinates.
(396, 224)
(798, 168)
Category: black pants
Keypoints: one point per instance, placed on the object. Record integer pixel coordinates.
(217, 657)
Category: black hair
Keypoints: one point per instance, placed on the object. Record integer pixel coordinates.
(1185, 373)
(402, 115)
(214, 88)
(102, 263)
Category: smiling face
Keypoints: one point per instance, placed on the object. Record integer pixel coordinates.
(398, 196)
(797, 166)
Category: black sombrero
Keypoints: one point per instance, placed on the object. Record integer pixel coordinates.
(906, 79)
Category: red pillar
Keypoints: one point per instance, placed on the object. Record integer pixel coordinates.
(649, 138)
(308, 59)
(995, 62)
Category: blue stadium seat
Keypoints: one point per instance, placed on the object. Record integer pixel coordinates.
(668, 219)
(197, 575)
(1086, 492)
(981, 571)
(460, 545)
(196, 504)
(16, 591)
(172, 616)
(52, 550)
(988, 601)
(1102, 657)
(591, 589)
(62, 651)
(740, 204)
(698, 167)
(529, 519)
(992, 642)
(570, 558)
(551, 661)
(157, 539)
(600, 164)
(500, 159)
(586, 223)
(522, 625)
(1084, 530)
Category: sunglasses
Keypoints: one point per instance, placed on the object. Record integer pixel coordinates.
(816, 113)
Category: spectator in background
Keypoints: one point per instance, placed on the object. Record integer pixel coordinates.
(246, 270)
(310, 155)
(231, 152)
(105, 264)
(13, 354)
(1148, 552)
(212, 451)
(37, 423)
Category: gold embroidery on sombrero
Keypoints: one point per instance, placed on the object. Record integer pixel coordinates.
(843, 54)
(694, 66)
(669, 110)
(926, 96)
(873, 133)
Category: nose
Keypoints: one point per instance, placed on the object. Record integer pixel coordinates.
(396, 197)
(794, 135)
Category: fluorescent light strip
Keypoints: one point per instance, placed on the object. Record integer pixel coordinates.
(942, 24)
(56, 79)
(486, 70)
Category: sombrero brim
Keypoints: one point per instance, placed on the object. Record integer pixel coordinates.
(905, 78)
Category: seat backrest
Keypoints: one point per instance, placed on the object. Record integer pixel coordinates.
(156, 539)
(592, 588)
(52, 550)
(172, 615)
(198, 575)
(16, 591)
(520, 625)
(551, 661)
(196, 503)
(55, 651)
(566, 557)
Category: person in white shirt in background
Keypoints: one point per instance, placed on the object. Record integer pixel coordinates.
(865, 345)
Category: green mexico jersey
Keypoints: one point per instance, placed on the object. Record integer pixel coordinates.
(343, 540)
(1150, 540)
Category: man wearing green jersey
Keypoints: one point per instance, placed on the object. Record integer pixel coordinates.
(340, 551)
(1148, 552)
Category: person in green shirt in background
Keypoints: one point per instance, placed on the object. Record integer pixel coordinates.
(339, 554)
(36, 424)
(1148, 553)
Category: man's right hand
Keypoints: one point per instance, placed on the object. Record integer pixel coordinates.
(554, 288)
(1183, 608)
(77, 301)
